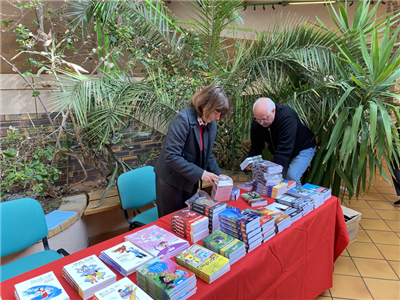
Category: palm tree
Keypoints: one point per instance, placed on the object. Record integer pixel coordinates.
(338, 81)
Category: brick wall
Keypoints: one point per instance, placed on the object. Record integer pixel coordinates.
(143, 145)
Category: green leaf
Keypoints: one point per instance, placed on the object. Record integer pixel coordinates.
(5, 23)
(27, 73)
(35, 93)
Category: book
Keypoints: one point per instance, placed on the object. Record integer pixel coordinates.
(163, 278)
(88, 275)
(222, 190)
(157, 241)
(235, 194)
(122, 289)
(244, 221)
(205, 263)
(45, 286)
(247, 186)
(249, 160)
(190, 224)
(125, 257)
(226, 245)
(254, 199)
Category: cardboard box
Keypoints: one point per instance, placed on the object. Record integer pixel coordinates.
(352, 224)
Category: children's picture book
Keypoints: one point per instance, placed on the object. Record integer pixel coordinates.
(125, 257)
(157, 241)
(205, 263)
(223, 244)
(88, 275)
(45, 286)
(123, 289)
(165, 274)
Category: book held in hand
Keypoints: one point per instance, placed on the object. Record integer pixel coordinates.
(45, 286)
(222, 191)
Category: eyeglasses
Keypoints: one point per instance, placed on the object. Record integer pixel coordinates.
(262, 120)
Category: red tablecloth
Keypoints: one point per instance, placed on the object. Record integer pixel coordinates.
(295, 264)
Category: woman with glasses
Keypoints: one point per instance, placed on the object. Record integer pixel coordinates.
(186, 156)
(289, 140)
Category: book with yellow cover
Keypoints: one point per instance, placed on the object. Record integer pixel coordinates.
(205, 263)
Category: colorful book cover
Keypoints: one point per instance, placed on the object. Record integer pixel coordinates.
(45, 286)
(264, 218)
(127, 255)
(165, 273)
(234, 215)
(89, 272)
(123, 289)
(187, 218)
(202, 259)
(224, 243)
(156, 240)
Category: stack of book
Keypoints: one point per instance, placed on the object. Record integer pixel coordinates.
(254, 199)
(208, 207)
(88, 276)
(245, 227)
(246, 186)
(162, 278)
(125, 257)
(122, 289)
(268, 179)
(307, 193)
(223, 189)
(45, 286)
(325, 192)
(190, 225)
(225, 245)
(250, 160)
(304, 205)
(270, 190)
(290, 183)
(267, 222)
(235, 194)
(206, 264)
(282, 221)
(157, 241)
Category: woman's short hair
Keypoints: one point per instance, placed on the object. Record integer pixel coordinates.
(212, 98)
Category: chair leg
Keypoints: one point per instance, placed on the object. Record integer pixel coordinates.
(135, 224)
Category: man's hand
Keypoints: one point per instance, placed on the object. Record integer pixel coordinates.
(210, 178)
(249, 167)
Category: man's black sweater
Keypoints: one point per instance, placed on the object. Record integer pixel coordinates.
(286, 136)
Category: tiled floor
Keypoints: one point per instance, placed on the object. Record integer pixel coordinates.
(369, 268)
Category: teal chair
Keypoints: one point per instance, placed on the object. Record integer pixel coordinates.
(23, 224)
(137, 188)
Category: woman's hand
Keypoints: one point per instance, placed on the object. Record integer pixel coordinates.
(210, 178)
(249, 167)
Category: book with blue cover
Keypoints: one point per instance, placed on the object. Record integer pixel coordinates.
(45, 286)
(235, 216)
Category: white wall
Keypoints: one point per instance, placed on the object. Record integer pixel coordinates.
(261, 20)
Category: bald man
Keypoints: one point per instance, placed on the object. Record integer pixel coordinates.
(291, 142)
